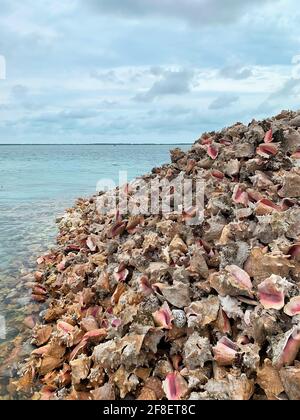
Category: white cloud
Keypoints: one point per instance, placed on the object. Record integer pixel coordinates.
(74, 70)
(235, 72)
(194, 11)
(172, 82)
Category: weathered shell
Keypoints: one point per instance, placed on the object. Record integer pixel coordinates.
(269, 380)
(225, 352)
(233, 282)
(177, 295)
(80, 369)
(204, 312)
(197, 351)
(286, 348)
(261, 263)
(290, 377)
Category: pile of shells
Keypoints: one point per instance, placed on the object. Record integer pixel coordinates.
(154, 307)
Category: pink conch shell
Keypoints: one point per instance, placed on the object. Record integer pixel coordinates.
(240, 275)
(207, 248)
(61, 266)
(267, 150)
(240, 196)
(65, 327)
(269, 136)
(287, 348)
(254, 196)
(190, 165)
(287, 203)
(266, 206)
(91, 244)
(294, 251)
(38, 290)
(293, 307)
(271, 293)
(217, 174)
(133, 223)
(121, 273)
(206, 141)
(117, 229)
(212, 152)
(189, 214)
(38, 276)
(29, 322)
(116, 323)
(145, 285)
(46, 393)
(40, 261)
(296, 155)
(175, 386)
(163, 317)
(226, 142)
(80, 347)
(225, 352)
(38, 298)
(223, 322)
(95, 334)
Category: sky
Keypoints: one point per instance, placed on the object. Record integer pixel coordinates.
(140, 71)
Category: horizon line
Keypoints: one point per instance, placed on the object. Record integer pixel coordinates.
(94, 144)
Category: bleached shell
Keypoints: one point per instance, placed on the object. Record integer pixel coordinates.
(261, 263)
(227, 284)
(177, 294)
(204, 312)
(80, 369)
(269, 380)
(197, 351)
(290, 377)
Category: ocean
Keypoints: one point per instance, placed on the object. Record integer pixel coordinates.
(37, 183)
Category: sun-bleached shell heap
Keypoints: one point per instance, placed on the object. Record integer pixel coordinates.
(151, 307)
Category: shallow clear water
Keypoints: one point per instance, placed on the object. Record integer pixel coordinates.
(36, 184)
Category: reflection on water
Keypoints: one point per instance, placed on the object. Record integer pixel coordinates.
(26, 231)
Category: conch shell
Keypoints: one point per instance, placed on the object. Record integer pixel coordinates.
(271, 293)
(225, 352)
(175, 386)
(293, 307)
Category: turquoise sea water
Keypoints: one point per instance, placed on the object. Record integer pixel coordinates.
(36, 184)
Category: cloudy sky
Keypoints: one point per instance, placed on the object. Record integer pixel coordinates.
(84, 71)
